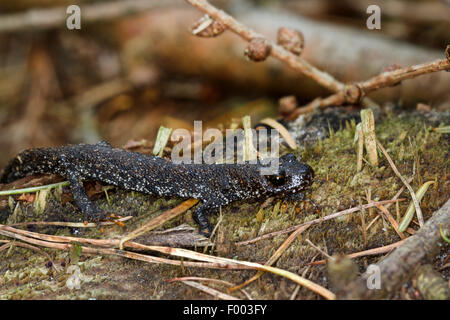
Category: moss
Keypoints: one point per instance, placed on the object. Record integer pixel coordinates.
(337, 187)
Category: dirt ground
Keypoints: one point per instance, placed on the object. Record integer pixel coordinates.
(28, 274)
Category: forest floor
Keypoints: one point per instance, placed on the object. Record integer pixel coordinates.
(27, 274)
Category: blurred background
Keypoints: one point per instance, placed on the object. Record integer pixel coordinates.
(135, 64)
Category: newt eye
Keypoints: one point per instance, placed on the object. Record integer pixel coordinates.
(276, 180)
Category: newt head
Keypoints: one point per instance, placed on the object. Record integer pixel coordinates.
(293, 176)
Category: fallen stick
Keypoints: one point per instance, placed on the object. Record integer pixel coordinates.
(401, 264)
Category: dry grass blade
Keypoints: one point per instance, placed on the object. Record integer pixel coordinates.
(250, 153)
(59, 239)
(391, 220)
(359, 136)
(215, 262)
(318, 249)
(399, 193)
(410, 211)
(363, 220)
(368, 131)
(226, 283)
(297, 288)
(69, 224)
(372, 222)
(315, 221)
(389, 204)
(207, 258)
(208, 290)
(159, 220)
(211, 243)
(405, 182)
(370, 252)
(5, 246)
(109, 251)
(282, 130)
(108, 243)
(273, 258)
(161, 140)
(28, 246)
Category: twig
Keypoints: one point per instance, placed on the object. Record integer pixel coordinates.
(273, 258)
(401, 264)
(445, 266)
(372, 222)
(355, 92)
(315, 221)
(391, 220)
(228, 284)
(318, 249)
(389, 204)
(370, 252)
(297, 288)
(42, 19)
(363, 220)
(293, 61)
(284, 273)
(208, 290)
(282, 130)
(405, 182)
(368, 131)
(212, 243)
(391, 78)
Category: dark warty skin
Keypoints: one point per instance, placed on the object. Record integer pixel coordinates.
(214, 185)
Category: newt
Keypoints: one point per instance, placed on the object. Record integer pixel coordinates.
(214, 185)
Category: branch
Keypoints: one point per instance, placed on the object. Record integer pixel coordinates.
(325, 48)
(42, 19)
(295, 62)
(353, 93)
